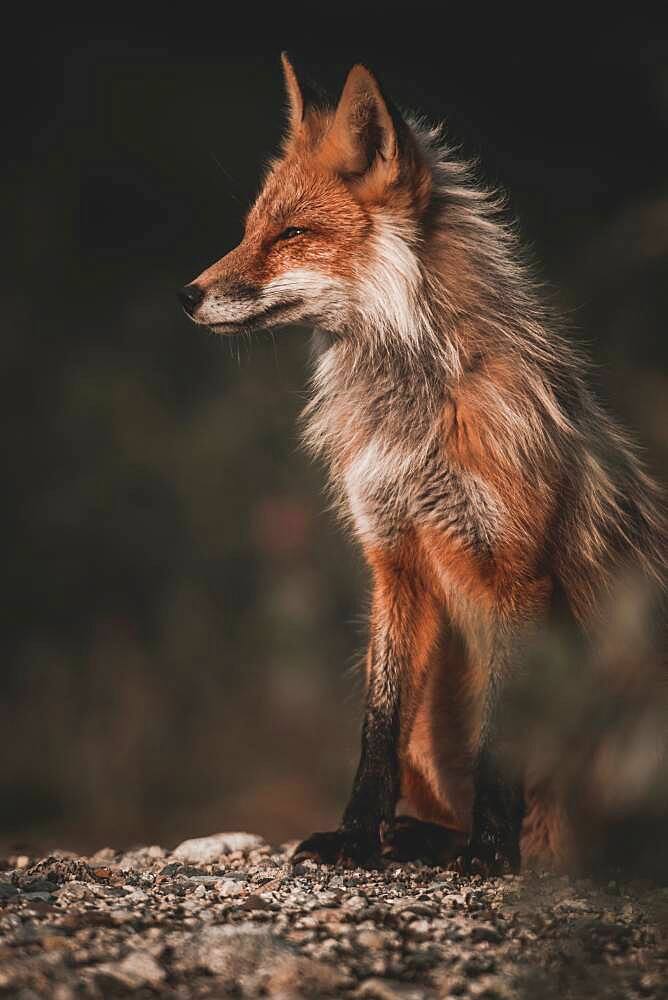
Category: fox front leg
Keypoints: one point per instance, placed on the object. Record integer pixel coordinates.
(376, 785)
(398, 606)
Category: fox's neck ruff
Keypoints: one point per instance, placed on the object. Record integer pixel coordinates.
(386, 377)
(433, 302)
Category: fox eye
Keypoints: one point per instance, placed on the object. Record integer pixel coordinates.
(291, 232)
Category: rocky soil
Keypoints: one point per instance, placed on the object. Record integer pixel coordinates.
(229, 915)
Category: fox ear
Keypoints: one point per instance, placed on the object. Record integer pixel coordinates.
(365, 124)
(299, 96)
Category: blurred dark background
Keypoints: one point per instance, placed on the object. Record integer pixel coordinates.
(181, 611)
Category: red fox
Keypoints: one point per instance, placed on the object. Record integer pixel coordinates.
(486, 485)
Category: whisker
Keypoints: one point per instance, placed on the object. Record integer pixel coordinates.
(227, 174)
(273, 341)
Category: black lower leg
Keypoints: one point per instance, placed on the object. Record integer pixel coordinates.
(498, 810)
(376, 786)
(498, 793)
(372, 802)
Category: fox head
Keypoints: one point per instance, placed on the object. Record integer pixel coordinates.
(329, 240)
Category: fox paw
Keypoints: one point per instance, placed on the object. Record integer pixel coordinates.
(487, 860)
(412, 839)
(347, 848)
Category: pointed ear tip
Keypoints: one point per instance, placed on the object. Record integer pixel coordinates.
(359, 69)
(286, 63)
(360, 76)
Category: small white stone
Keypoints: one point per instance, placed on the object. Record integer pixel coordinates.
(206, 850)
(230, 887)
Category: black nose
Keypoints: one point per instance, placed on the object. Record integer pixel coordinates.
(190, 297)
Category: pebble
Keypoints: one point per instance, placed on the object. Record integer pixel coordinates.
(206, 850)
(229, 887)
(372, 939)
(483, 933)
(387, 989)
(137, 969)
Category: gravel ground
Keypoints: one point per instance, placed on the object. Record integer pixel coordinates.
(229, 915)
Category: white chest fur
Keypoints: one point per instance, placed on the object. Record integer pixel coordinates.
(378, 484)
(390, 486)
